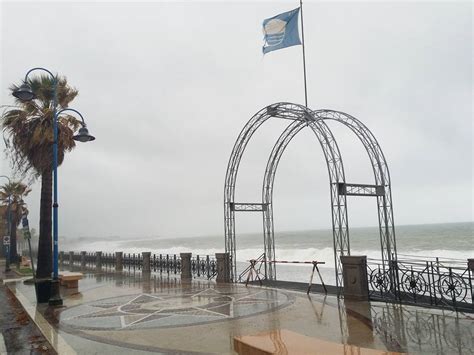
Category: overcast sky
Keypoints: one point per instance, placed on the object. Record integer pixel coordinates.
(166, 88)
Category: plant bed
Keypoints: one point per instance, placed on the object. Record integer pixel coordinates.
(26, 271)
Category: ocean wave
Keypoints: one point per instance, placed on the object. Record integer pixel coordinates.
(288, 254)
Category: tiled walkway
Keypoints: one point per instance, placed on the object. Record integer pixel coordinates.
(120, 313)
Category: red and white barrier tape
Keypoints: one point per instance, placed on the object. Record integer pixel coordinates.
(297, 262)
(293, 262)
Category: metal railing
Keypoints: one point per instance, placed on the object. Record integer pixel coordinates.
(132, 261)
(90, 259)
(434, 282)
(108, 261)
(201, 266)
(166, 263)
(204, 266)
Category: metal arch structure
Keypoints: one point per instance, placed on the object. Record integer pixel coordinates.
(301, 117)
(388, 243)
(381, 189)
(336, 178)
(339, 189)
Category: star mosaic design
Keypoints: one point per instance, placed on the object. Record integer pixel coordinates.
(150, 310)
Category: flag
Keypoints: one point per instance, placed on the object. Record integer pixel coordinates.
(281, 31)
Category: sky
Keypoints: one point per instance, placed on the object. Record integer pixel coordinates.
(166, 88)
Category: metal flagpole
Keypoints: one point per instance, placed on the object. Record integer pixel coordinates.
(304, 56)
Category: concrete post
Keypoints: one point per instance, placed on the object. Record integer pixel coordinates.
(98, 260)
(61, 258)
(354, 272)
(146, 268)
(186, 266)
(119, 261)
(83, 260)
(223, 267)
(71, 259)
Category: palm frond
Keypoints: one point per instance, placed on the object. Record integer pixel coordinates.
(28, 126)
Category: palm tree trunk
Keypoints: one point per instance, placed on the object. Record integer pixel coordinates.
(13, 248)
(45, 262)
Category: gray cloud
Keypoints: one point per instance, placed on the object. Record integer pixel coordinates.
(166, 88)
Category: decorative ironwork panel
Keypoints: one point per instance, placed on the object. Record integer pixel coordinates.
(444, 284)
(204, 266)
(360, 190)
(249, 207)
(108, 261)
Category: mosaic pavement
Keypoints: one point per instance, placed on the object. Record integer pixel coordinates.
(164, 310)
(136, 315)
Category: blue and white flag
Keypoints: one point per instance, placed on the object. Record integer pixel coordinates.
(281, 31)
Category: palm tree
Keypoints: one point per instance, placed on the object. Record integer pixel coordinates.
(13, 193)
(28, 134)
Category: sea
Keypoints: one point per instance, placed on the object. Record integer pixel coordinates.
(447, 241)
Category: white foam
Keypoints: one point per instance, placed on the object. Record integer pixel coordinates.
(243, 255)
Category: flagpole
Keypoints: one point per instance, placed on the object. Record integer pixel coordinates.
(304, 56)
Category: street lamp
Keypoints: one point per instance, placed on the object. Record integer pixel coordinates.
(9, 229)
(25, 93)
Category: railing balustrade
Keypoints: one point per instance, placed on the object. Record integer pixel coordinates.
(439, 283)
(205, 266)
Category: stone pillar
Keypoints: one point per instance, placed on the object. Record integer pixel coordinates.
(71, 259)
(61, 258)
(119, 261)
(354, 272)
(223, 267)
(470, 264)
(146, 268)
(83, 260)
(186, 266)
(98, 260)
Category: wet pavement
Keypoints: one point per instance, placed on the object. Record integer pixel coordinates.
(18, 334)
(137, 314)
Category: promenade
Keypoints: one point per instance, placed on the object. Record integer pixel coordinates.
(18, 333)
(134, 313)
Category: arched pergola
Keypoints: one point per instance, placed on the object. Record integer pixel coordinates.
(302, 117)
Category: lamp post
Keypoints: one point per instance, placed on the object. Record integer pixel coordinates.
(25, 93)
(9, 228)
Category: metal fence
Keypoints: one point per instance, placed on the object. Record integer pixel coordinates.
(434, 282)
(166, 263)
(90, 259)
(132, 261)
(201, 266)
(108, 261)
(204, 266)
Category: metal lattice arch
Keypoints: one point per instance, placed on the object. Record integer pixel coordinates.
(301, 117)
